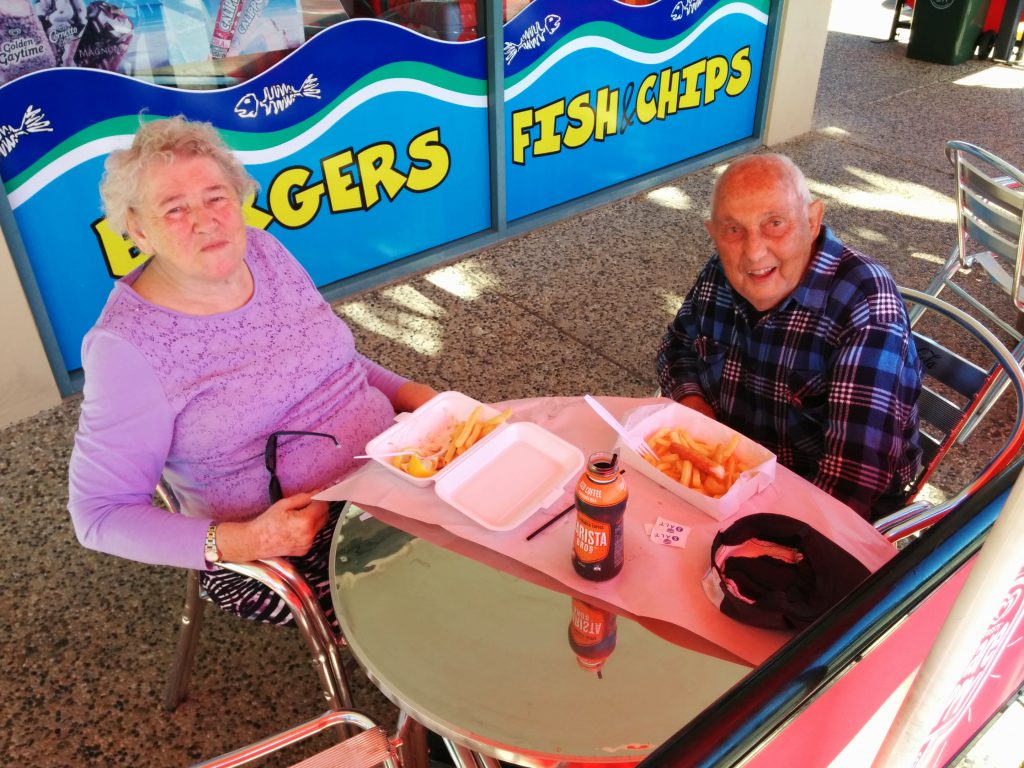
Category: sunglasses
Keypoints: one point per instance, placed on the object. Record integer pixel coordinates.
(270, 458)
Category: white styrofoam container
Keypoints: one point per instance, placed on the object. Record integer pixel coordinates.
(524, 469)
(431, 424)
(642, 422)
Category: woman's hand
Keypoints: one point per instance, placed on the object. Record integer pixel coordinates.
(411, 396)
(286, 529)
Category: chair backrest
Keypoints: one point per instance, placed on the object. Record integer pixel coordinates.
(990, 212)
(371, 746)
(953, 388)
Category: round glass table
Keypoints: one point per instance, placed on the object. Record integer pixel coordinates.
(506, 664)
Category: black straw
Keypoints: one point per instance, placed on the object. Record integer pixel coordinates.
(559, 516)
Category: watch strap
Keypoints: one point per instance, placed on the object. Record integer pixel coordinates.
(210, 550)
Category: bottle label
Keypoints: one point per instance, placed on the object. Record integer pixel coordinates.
(588, 625)
(593, 539)
(600, 495)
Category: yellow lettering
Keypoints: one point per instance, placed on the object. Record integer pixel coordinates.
(522, 122)
(120, 253)
(255, 217)
(343, 192)
(377, 169)
(668, 93)
(292, 204)
(550, 141)
(581, 121)
(427, 148)
(691, 76)
(715, 77)
(740, 72)
(606, 113)
(646, 108)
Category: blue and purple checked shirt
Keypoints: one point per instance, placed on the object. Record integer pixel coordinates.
(828, 380)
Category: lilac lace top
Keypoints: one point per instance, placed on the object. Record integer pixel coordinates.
(195, 397)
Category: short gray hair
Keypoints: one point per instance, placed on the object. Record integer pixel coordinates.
(781, 165)
(163, 141)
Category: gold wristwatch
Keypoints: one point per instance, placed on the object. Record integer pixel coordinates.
(211, 551)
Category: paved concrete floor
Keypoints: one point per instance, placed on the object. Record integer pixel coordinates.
(86, 640)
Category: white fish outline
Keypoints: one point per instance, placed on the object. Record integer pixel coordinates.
(33, 121)
(277, 98)
(533, 36)
(685, 6)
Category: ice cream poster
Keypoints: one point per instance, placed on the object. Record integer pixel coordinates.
(141, 38)
(600, 95)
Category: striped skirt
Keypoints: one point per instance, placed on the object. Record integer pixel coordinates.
(250, 599)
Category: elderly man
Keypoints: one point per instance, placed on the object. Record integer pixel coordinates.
(798, 342)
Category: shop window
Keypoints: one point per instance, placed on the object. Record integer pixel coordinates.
(202, 43)
(452, 20)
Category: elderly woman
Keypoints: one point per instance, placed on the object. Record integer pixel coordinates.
(219, 343)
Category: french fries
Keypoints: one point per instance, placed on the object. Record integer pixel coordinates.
(710, 469)
(427, 461)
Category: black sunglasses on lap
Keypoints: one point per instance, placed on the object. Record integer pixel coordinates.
(270, 458)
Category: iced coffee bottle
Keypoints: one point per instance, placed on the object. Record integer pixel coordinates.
(598, 546)
(592, 635)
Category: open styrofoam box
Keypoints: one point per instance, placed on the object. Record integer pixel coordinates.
(644, 421)
(523, 469)
(431, 424)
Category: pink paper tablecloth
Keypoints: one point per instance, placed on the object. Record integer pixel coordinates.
(656, 581)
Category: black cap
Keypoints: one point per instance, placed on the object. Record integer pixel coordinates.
(778, 572)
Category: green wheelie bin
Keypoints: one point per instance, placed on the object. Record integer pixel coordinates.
(946, 31)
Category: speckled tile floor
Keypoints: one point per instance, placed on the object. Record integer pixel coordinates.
(86, 640)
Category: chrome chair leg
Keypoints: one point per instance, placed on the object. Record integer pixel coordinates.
(462, 757)
(188, 640)
(413, 735)
(318, 625)
(322, 642)
(994, 390)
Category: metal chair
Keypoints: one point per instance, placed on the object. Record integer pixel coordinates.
(370, 747)
(990, 214)
(898, 22)
(285, 580)
(949, 375)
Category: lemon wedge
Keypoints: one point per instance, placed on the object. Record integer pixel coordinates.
(419, 468)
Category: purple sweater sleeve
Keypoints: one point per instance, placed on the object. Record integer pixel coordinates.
(124, 434)
(381, 378)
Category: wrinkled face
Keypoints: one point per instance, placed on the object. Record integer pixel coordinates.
(764, 230)
(190, 219)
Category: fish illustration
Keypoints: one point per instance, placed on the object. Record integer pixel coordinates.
(533, 36)
(277, 98)
(684, 6)
(34, 121)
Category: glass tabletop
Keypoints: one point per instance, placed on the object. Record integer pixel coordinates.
(504, 666)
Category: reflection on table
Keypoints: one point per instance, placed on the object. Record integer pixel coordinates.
(482, 653)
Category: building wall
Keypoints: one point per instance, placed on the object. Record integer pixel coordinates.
(26, 381)
(803, 32)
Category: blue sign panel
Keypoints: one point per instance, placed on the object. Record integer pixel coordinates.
(368, 142)
(597, 93)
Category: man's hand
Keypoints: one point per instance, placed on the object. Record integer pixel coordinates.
(699, 404)
(286, 529)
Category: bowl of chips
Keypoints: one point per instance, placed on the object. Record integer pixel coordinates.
(711, 466)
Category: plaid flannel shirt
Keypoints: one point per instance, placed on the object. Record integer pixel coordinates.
(828, 380)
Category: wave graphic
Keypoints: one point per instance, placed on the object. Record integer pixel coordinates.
(275, 150)
(631, 54)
